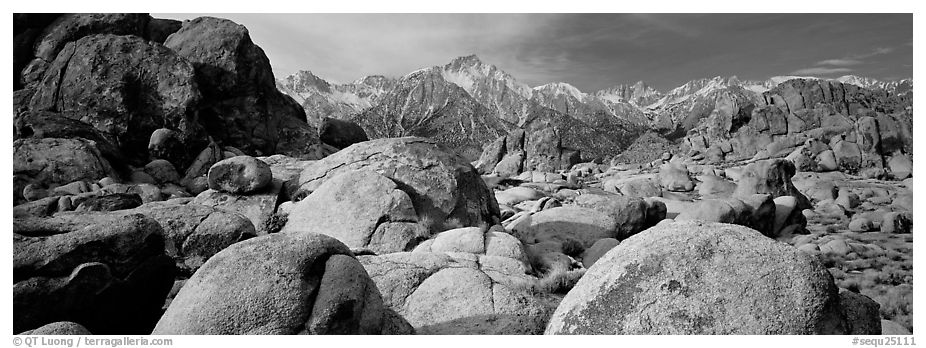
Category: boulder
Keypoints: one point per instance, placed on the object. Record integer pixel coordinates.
(240, 175)
(772, 177)
(597, 250)
(544, 151)
(674, 177)
(517, 195)
(475, 241)
(51, 162)
(107, 271)
(491, 155)
(631, 214)
(73, 26)
(441, 293)
(510, 165)
(241, 106)
(570, 223)
(762, 210)
(715, 186)
(862, 313)
(702, 278)
(39, 207)
(193, 232)
(361, 209)
(848, 156)
(826, 161)
(44, 124)
(642, 188)
(59, 328)
(901, 166)
(861, 225)
(837, 247)
(124, 86)
(897, 222)
(110, 202)
(443, 187)
(277, 284)
(709, 210)
(340, 133)
(162, 171)
(256, 207)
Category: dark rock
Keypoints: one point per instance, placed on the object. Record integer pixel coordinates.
(862, 313)
(241, 105)
(159, 29)
(340, 133)
(124, 86)
(107, 271)
(111, 202)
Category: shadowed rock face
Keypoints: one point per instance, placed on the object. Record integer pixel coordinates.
(106, 271)
(124, 86)
(241, 105)
(701, 278)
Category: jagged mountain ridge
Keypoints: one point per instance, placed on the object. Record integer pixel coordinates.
(321, 98)
(488, 101)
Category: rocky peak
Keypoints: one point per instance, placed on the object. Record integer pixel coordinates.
(558, 89)
(305, 80)
(639, 94)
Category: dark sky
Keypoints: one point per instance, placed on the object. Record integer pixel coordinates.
(590, 51)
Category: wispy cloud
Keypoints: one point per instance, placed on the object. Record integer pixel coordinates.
(839, 65)
(820, 71)
(874, 52)
(840, 62)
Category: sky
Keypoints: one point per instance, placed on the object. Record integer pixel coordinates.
(589, 51)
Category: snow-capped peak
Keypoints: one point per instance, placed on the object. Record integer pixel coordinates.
(561, 88)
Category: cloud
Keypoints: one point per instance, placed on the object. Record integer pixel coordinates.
(820, 71)
(875, 52)
(820, 68)
(839, 62)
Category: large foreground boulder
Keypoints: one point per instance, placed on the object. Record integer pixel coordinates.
(241, 106)
(124, 86)
(702, 278)
(444, 188)
(277, 284)
(106, 271)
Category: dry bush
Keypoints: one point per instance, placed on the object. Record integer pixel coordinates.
(554, 281)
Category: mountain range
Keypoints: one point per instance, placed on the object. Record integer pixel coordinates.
(468, 103)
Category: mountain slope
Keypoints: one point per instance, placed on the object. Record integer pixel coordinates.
(425, 104)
